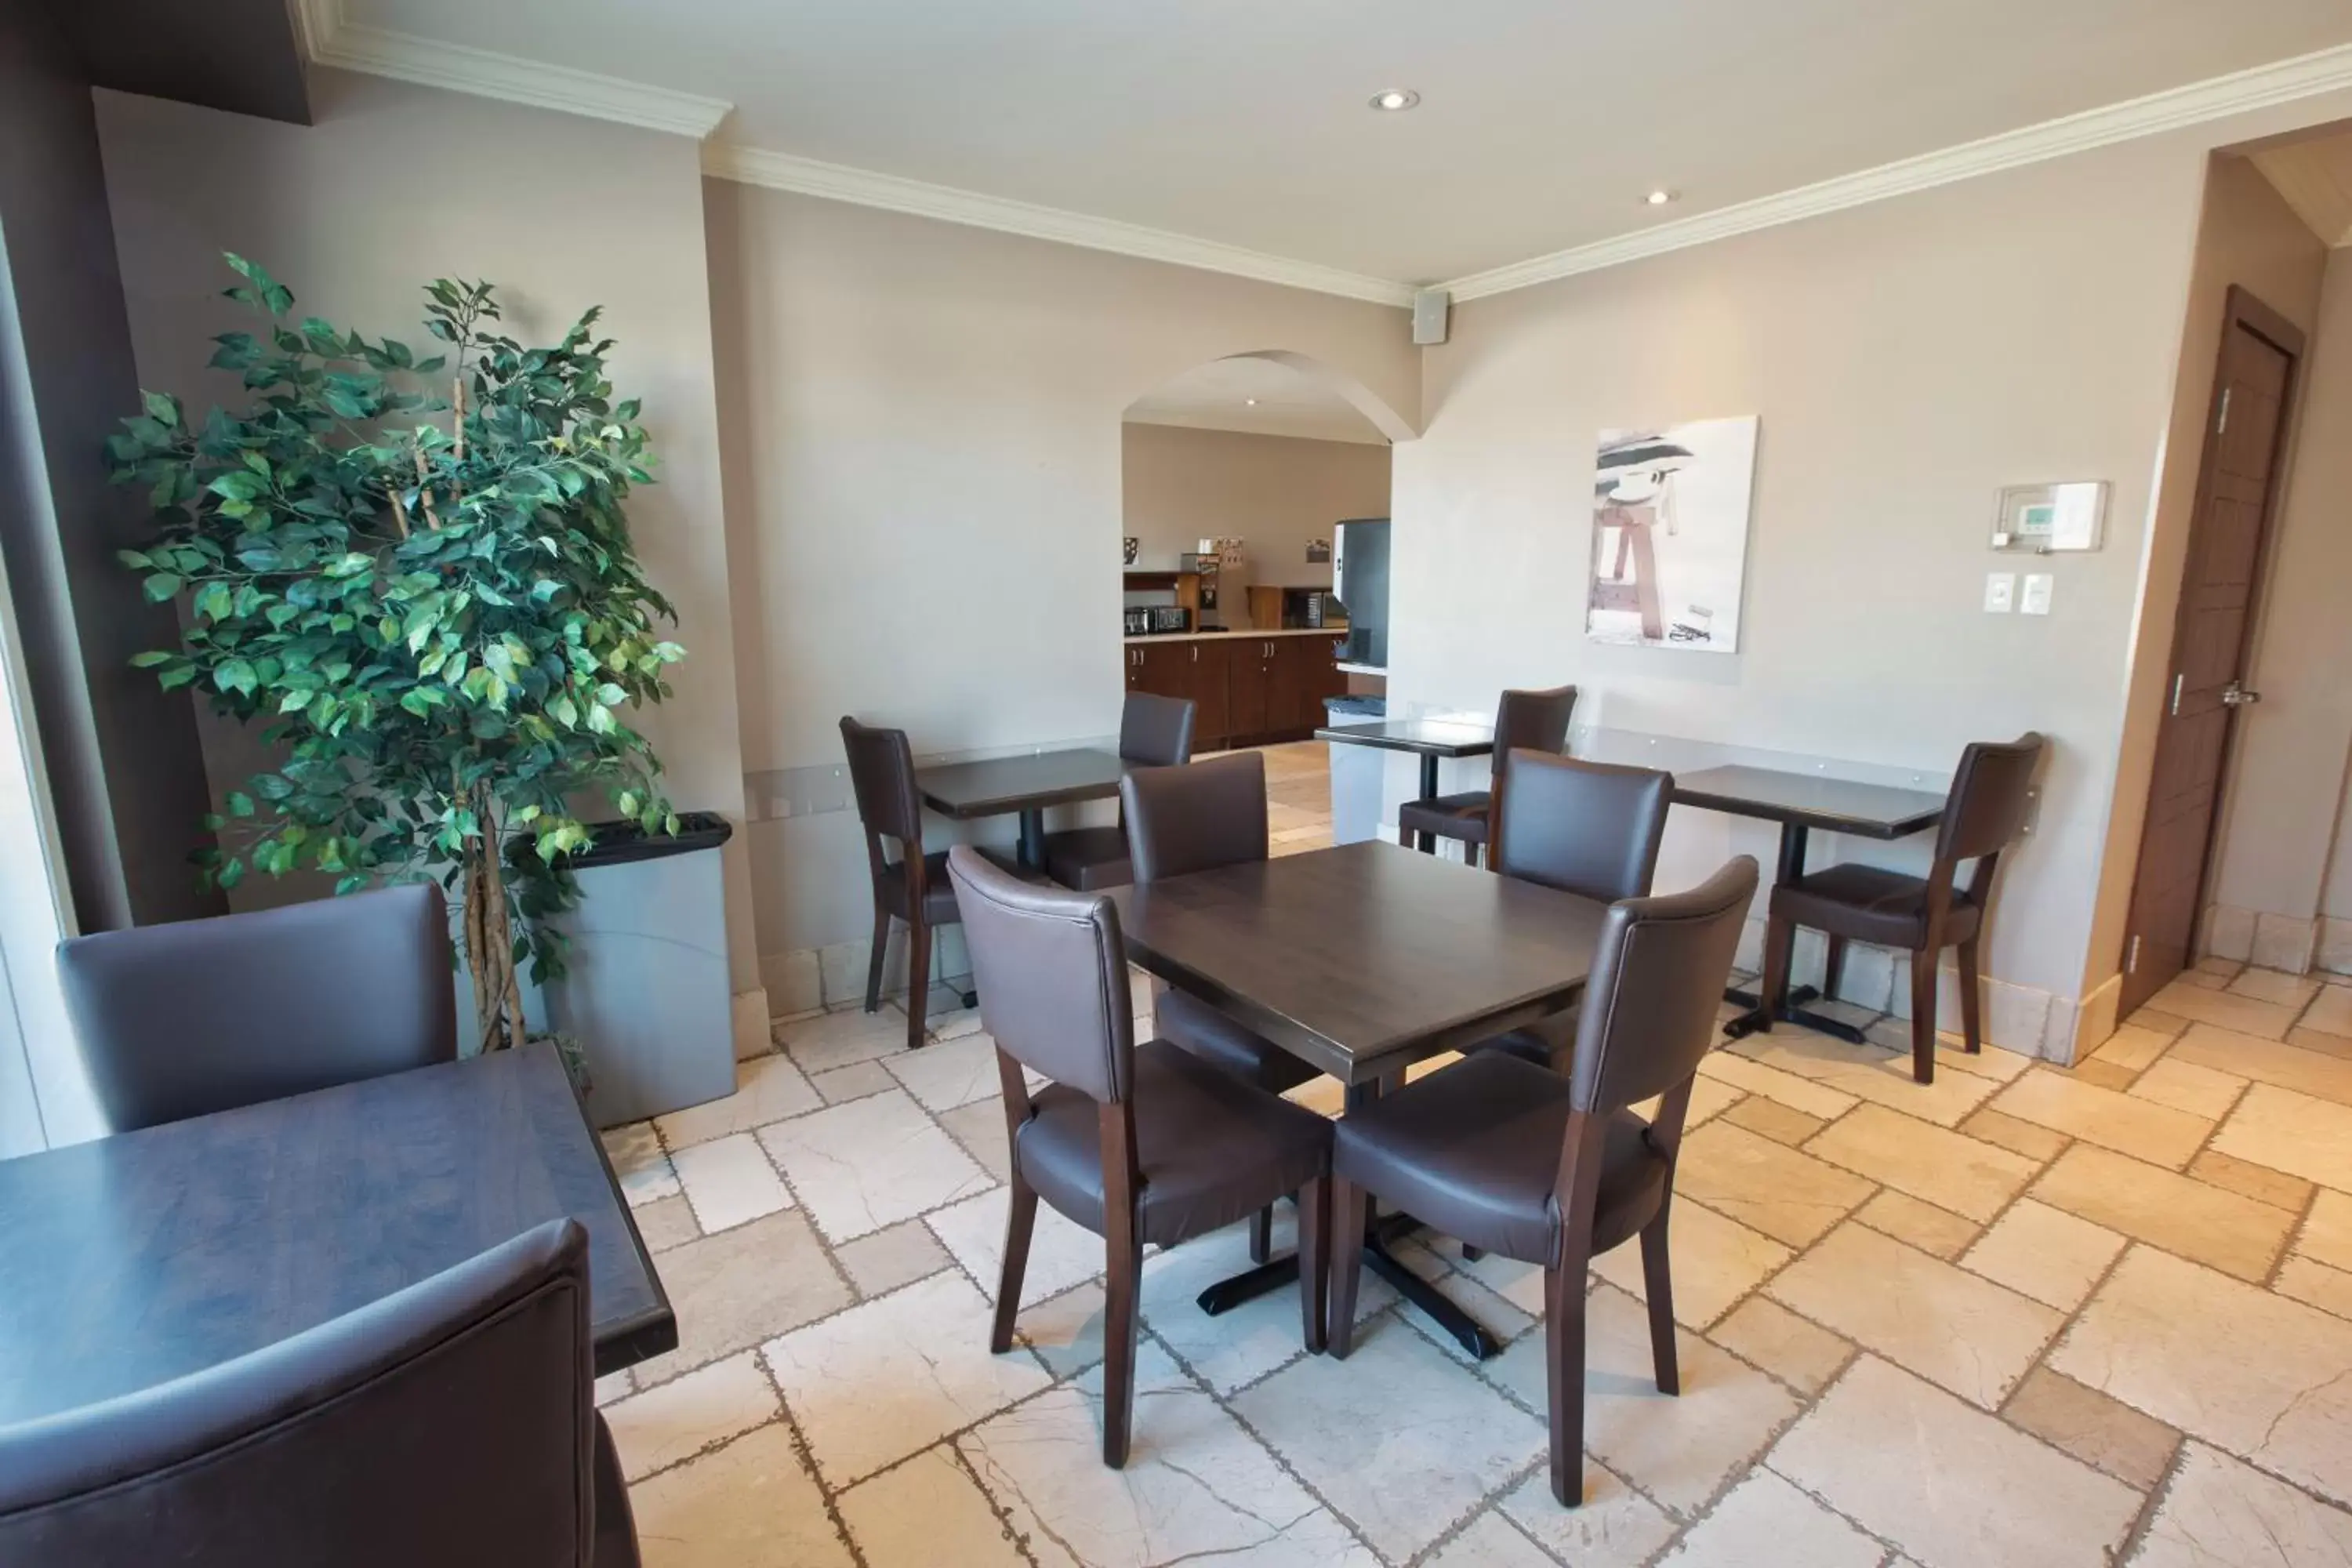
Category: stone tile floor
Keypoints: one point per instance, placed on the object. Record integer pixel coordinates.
(2031, 1316)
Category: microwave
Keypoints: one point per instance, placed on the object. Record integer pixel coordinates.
(1153, 619)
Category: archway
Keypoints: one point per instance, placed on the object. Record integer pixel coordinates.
(1239, 477)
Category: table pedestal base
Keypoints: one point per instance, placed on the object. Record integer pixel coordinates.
(1464, 1329)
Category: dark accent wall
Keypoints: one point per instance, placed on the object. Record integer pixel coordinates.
(126, 773)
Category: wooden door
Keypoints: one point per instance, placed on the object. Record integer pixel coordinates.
(1205, 683)
(1247, 680)
(2221, 582)
(1163, 669)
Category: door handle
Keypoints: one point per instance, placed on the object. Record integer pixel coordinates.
(2235, 694)
(1196, 653)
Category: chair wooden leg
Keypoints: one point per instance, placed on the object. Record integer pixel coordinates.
(1658, 1285)
(919, 981)
(1020, 1224)
(1405, 836)
(1833, 966)
(1923, 1016)
(1779, 949)
(1314, 1261)
(1564, 1376)
(1262, 1235)
(1346, 1248)
(1971, 1027)
(874, 964)
(1471, 1254)
(1123, 1281)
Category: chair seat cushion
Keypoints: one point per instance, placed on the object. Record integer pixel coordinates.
(1192, 1024)
(1088, 858)
(1870, 903)
(1473, 1150)
(1210, 1147)
(1462, 816)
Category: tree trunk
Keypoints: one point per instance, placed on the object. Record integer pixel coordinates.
(489, 936)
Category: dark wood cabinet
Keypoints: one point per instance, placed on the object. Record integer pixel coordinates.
(1246, 691)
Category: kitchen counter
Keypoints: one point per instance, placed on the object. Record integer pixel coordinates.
(1336, 634)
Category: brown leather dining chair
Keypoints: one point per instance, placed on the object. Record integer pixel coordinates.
(1588, 828)
(913, 890)
(1142, 1145)
(1983, 814)
(195, 1016)
(1198, 818)
(1524, 721)
(1154, 731)
(454, 1422)
(1554, 1168)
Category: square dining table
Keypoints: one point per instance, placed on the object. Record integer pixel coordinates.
(1360, 961)
(999, 786)
(1430, 739)
(130, 1260)
(1800, 803)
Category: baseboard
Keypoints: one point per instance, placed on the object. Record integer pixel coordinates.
(2266, 940)
(805, 979)
(749, 1019)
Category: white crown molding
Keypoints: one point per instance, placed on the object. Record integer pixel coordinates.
(332, 40)
(2282, 81)
(838, 182)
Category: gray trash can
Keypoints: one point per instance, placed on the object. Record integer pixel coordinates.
(647, 995)
(1356, 771)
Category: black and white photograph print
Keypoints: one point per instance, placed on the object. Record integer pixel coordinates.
(1669, 511)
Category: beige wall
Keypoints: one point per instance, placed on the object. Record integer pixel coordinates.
(2246, 236)
(1908, 360)
(1179, 485)
(396, 186)
(921, 424)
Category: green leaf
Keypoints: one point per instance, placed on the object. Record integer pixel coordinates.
(239, 803)
(238, 484)
(163, 408)
(235, 675)
(162, 586)
(150, 660)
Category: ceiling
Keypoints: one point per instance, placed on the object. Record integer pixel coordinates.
(1541, 126)
(1256, 396)
(2315, 178)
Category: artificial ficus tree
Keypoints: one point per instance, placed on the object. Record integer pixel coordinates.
(433, 606)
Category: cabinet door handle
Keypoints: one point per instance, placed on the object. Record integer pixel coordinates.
(1196, 653)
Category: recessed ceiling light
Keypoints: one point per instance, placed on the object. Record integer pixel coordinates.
(1251, 401)
(1395, 99)
(1660, 198)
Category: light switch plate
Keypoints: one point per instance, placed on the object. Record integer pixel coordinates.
(2000, 592)
(2035, 601)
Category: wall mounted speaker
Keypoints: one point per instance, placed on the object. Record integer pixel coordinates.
(1429, 309)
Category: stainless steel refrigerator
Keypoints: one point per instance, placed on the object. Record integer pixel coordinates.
(1359, 577)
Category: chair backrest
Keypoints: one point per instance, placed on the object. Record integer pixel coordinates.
(1196, 819)
(882, 777)
(1990, 794)
(452, 1422)
(1051, 970)
(1156, 729)
(1533, 722)
(184, 1020)
(1588, 828)
(1658, 975)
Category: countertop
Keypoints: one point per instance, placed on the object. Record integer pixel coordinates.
(1336, 634)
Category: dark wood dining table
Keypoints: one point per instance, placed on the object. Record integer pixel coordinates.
(1361, 961)
(130, 1260)
(1430, 739)
(1000, 786)
(1800, 803)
